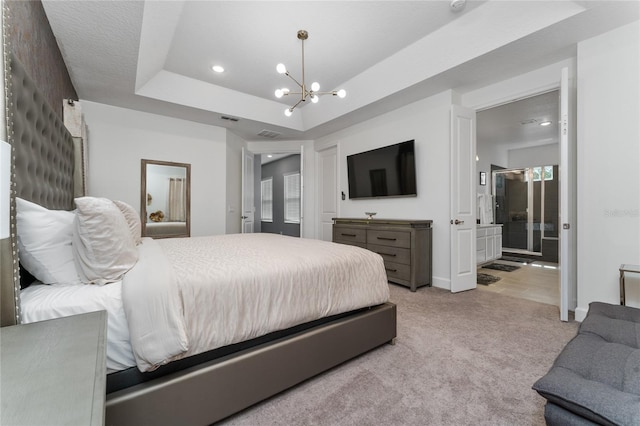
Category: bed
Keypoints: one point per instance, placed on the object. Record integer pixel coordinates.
(154, 229)
(203, 382)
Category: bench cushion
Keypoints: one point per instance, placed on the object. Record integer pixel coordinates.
(597, 374)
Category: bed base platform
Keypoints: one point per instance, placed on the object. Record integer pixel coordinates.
(217, 389)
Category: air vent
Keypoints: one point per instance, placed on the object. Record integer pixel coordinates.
(529, 121)
(224, 117)
(269, 134)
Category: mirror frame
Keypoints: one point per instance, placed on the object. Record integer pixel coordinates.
(143, 198)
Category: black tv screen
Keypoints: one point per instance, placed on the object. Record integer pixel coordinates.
(384, 172)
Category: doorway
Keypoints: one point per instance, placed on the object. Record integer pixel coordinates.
(279, 207)
(518, 148)
(285, 170)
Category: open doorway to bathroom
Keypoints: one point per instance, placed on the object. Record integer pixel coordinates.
(518, 152)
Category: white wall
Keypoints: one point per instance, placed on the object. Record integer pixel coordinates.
(119, 138)
(608, 162)
(489, 154)
(542, 155)
(427, 122)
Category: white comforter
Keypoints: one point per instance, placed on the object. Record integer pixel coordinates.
(190, 295)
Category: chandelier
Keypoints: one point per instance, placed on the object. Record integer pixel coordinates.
(304, 92)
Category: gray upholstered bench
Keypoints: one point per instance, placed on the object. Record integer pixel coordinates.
(596, 377)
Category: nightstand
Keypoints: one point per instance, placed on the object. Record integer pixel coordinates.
(54, 372)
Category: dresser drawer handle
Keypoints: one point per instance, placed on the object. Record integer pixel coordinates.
(386, 238)
(387, 254)
(391, 270)
(348, 235)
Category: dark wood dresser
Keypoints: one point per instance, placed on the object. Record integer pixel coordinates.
(405, 246)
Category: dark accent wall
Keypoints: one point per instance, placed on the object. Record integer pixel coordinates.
(277, 170)
(30, 38)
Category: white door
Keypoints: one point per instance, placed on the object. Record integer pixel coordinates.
(301, 191)
(327, 178)
(248, 207)
(463, 199)
(567, 183)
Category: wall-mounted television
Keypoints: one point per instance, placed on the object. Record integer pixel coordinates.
(389, 171)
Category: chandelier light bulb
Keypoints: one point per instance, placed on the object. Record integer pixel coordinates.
(281, 69)
(279, 93)
(315, 99)
(288, 112)
(315, 86)
(342, 93)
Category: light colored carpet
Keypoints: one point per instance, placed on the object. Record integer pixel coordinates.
(460, 359)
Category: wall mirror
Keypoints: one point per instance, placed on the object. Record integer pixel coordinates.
(165, 199)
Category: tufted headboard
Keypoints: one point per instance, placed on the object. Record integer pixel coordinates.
(43, 166)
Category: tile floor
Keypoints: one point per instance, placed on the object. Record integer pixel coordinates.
(537, 281)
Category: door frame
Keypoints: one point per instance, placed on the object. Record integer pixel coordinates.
(319, 178)
(555, 85)
(269, 149)
(247, 212)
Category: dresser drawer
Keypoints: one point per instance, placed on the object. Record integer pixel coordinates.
(397, 271)
(389, 238)
(404, 245)
(354, 236)
(392, 254)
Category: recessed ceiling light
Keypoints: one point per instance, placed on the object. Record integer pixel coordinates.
(217, 68)
(545, 123)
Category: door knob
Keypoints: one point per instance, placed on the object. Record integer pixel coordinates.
(244, 217)
(457, 222)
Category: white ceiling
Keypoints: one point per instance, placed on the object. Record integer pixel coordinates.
(518, 123)
(156, 56)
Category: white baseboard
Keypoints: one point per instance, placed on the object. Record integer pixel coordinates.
(581, 313)
(444, 283)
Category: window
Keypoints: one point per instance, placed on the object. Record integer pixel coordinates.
(292, 198)
(542, 173)
(266, 196)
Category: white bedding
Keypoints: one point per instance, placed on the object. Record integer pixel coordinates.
(239, 286)
(189, 295)
(40, 302)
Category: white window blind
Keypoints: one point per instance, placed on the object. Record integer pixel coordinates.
(267, 200)
(292, 198)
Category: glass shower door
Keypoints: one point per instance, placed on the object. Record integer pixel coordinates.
(512, 199)
(526, 206)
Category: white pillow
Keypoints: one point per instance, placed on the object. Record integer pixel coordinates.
(102, 243)
(44, 243)
(133, 220)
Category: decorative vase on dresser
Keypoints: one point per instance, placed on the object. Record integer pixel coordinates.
(405, 246)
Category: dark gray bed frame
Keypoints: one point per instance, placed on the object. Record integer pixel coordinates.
(43, 173)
